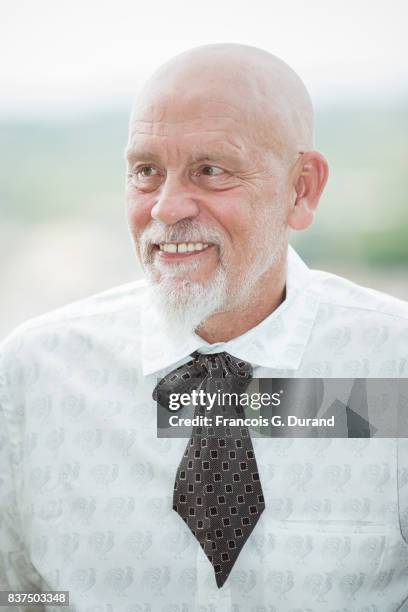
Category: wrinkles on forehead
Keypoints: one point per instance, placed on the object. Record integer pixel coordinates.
(242, 91)
(226, 129)
(169, 118)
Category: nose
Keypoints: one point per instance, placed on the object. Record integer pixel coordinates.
(175, 202)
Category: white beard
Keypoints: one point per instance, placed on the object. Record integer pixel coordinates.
(185, 304)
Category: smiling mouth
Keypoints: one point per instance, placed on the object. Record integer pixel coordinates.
(182, 247)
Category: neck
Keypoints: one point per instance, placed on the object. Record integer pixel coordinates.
(268, 293)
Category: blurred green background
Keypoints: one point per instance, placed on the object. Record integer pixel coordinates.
(63, 214)
(73, 168)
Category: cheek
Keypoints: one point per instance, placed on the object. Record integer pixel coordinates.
(232, 211)
(237, 216)
(138, 211)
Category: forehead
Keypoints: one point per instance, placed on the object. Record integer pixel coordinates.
(194, 107)
(192, 122)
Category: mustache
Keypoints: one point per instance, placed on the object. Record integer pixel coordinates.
(182, 231)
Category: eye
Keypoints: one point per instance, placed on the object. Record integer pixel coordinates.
(212, 177)
(145, 177)
(211, 171)
(146, 171)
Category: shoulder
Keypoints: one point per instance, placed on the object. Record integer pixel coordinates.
(85, 317)
(342, 295)
(358, 331)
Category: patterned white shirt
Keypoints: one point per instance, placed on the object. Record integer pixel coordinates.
(86, 486)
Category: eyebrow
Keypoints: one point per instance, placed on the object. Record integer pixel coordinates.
(134, 154)
(216, 155)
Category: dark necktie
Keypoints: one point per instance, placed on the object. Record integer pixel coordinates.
(217, 490)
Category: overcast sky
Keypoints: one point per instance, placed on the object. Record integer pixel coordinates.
(63, 56)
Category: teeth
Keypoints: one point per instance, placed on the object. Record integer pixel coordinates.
(182, 247)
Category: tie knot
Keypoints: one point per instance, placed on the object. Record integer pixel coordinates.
(209, 372)
(223, 365)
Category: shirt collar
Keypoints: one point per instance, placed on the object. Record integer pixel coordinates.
(277, 342)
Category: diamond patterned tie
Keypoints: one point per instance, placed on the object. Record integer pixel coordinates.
(217, 490)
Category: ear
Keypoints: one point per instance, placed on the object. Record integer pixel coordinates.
(310, 177)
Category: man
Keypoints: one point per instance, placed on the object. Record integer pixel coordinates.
(221, 167)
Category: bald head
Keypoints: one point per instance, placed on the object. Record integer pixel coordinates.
(267, 98)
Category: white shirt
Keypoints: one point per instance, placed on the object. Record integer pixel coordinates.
(86, 486)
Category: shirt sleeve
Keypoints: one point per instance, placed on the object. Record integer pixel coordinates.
(16, 571)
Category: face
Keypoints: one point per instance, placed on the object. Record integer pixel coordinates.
(206, 203)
